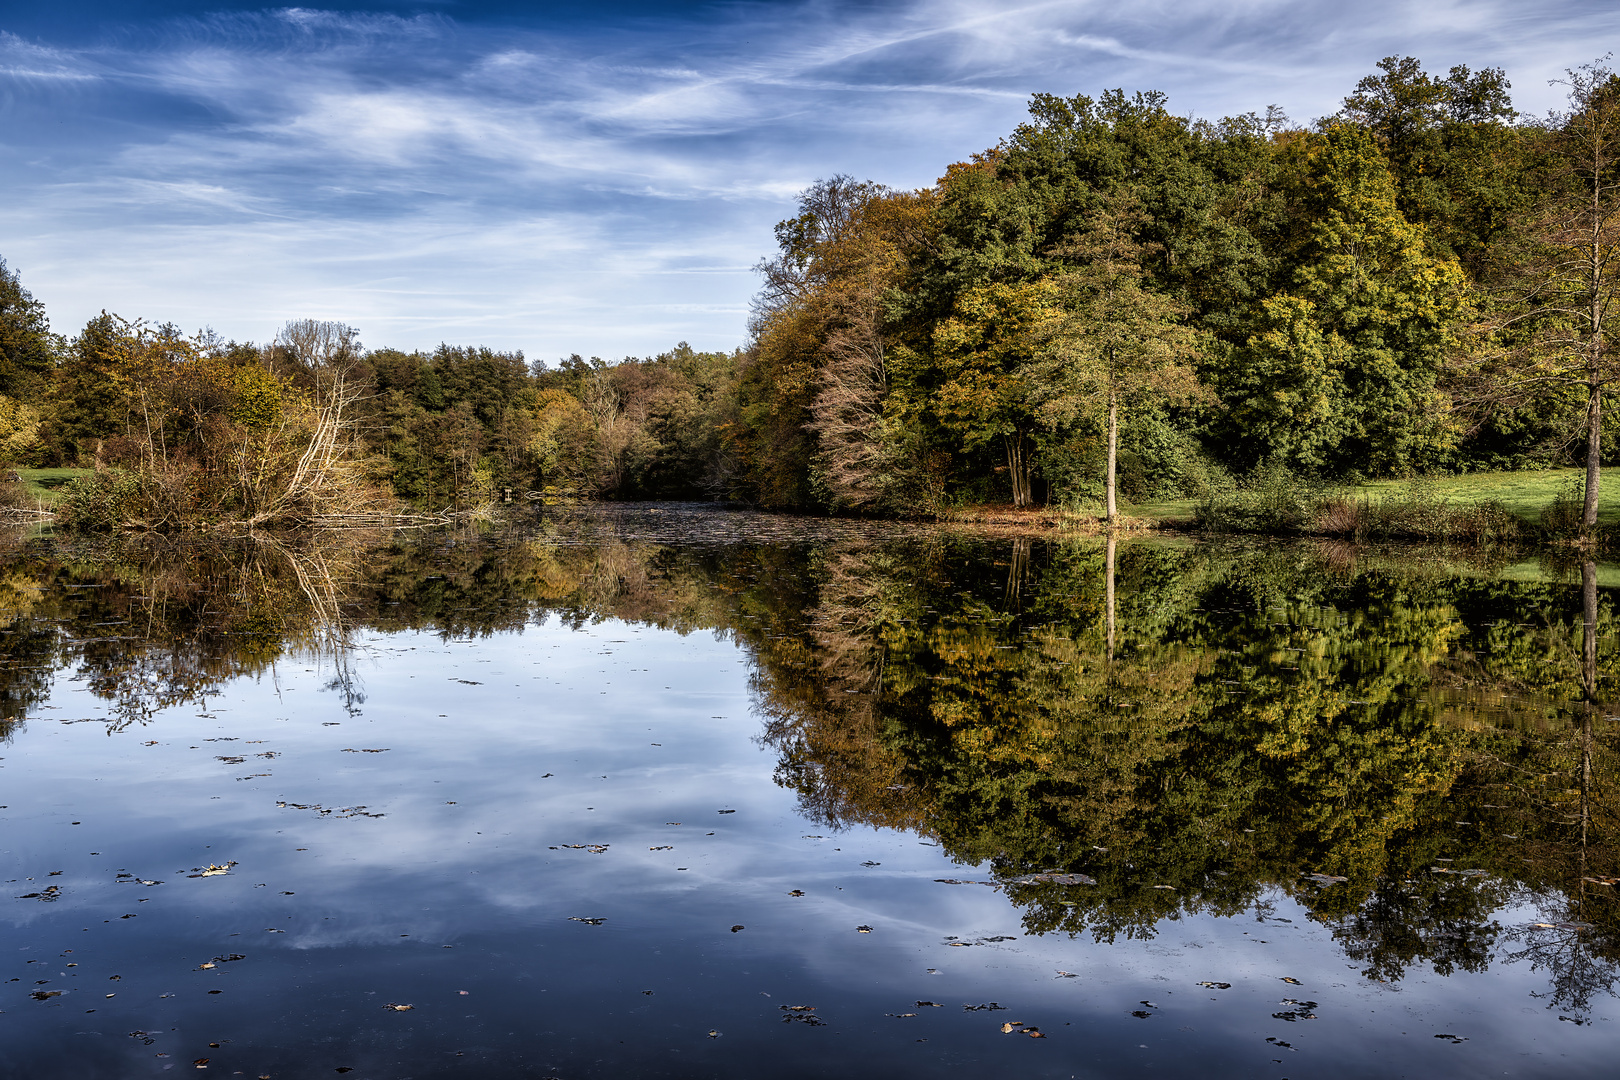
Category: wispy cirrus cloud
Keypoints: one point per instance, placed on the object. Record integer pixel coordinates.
(600, 186)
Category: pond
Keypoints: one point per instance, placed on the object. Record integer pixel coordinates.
(672, 792)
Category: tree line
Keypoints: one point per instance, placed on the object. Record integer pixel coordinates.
(1113, 303)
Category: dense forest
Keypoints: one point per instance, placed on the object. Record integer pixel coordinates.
(1421, 283)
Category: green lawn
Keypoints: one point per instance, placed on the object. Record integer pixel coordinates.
(45, 484)
(1524, 493)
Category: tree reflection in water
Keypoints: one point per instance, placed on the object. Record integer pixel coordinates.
(1416, 750)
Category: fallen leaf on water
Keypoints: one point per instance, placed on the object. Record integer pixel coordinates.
(1035, 1033)
(714, 1034)
(863, 929)
(1066, 975)
(588, 922)
(212, 870)
(1452, 1038)
(663, 847)
(929, 1005)
(870, 863)
(988, 1006)
(738, 927)
(1292, 981)
(1326, 879)
(44, 995)
(803, 1014)
(725, 811)
(398, 1008)
(796, 892)
(201, 1063)
(1216, 985)
(900, 1015)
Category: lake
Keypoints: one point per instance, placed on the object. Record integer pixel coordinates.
(667, 791)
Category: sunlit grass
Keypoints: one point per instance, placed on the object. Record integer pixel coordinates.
(1525, 494)
(45, 485)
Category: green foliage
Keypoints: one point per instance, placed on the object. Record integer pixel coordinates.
(27, 347)
(101, 502)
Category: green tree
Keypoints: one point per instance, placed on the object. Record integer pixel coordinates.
(1338, 373)
(1113, 342)
(27, 348)
(1550, 328)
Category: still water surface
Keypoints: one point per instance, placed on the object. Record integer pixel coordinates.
(662, 792)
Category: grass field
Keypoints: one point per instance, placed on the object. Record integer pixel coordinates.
(1523, 493)
(45, 485)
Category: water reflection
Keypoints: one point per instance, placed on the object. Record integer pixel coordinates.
(1416, 751)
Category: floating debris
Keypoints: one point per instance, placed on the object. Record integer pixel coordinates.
(594, 849)
(398, 1008)
(738, 928)
(211, 870)
(1065, 975)
(725, 811)
(804, 1014)
(326, 811)
(1053, 878)
(1216, 985)
(863, 929)
(988, 1006)
(1290, 980)
(587, 922)
(45, 895)
(954, 881)
(1301, 1010)
(796, 892)
(929, 1004)
(45, 995)
(660, 847)
(1452, 1038)
(379, 750)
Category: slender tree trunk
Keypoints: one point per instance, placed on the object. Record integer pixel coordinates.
(1589, 703)
(1108, 589)
(1109, 485)
(1594, 453)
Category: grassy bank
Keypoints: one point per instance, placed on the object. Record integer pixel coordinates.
(44, 486)
(1524, 494)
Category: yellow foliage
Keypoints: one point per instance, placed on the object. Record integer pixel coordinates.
(19, 427)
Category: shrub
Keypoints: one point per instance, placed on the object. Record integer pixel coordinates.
(99, 503)
(1562, 517)
(1271, 500)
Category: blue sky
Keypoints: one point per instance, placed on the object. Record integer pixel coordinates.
(593, 178)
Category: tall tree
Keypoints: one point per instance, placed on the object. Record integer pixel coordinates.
(1550, 328)
(26, 346)
(1113, 342)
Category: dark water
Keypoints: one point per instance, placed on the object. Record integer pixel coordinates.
(696, 794)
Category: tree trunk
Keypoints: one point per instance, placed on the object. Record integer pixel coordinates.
(1108, 588)
(1594, 452)
(1113, 454)
(1016, 468)
(1589, 702)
